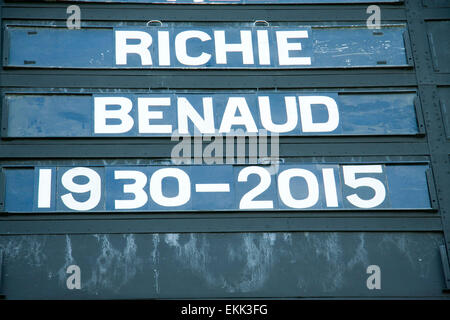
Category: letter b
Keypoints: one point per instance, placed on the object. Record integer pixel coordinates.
(101, 114)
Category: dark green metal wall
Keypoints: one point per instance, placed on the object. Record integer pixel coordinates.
(258, 254)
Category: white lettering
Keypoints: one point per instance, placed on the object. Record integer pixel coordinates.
(163, 48)
(137, 188)
(122, 114)
(263, 47)
(229, 117)
(123, 49)
(181, 51)
(284, 188)
(184, 187)
(308, 125)
(186, 110)
(223, 48)
(145, 115)
(266, 117)
(284, 47)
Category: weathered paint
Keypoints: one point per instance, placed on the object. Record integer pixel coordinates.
(401, 186)
(370, 113)
(344, 46)
(318, 264)
(298, 264)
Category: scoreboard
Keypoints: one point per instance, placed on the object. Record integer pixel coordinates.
(254, 148)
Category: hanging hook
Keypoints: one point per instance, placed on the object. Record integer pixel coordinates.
(154, 21)
(261, 23)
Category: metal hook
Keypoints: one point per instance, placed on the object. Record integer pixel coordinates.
(154, 21)
(261, 23)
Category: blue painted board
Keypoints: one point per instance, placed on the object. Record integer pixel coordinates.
(146, 47)
(197, 188)
(69, 115)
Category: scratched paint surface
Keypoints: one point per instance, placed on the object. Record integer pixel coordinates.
(300, 264)
(32, 115)
(327, 46)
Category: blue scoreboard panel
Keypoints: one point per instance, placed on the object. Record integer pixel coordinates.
(217, 188)
(156, 114)
(205, 47)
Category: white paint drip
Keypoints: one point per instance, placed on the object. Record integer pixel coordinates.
(361, 255)
(259, 261)
(29, 248)
(254, 253)
(155, 261)
(114, 268)
(287, 237)
(68, 260)
(172, 239)
(328, 246)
